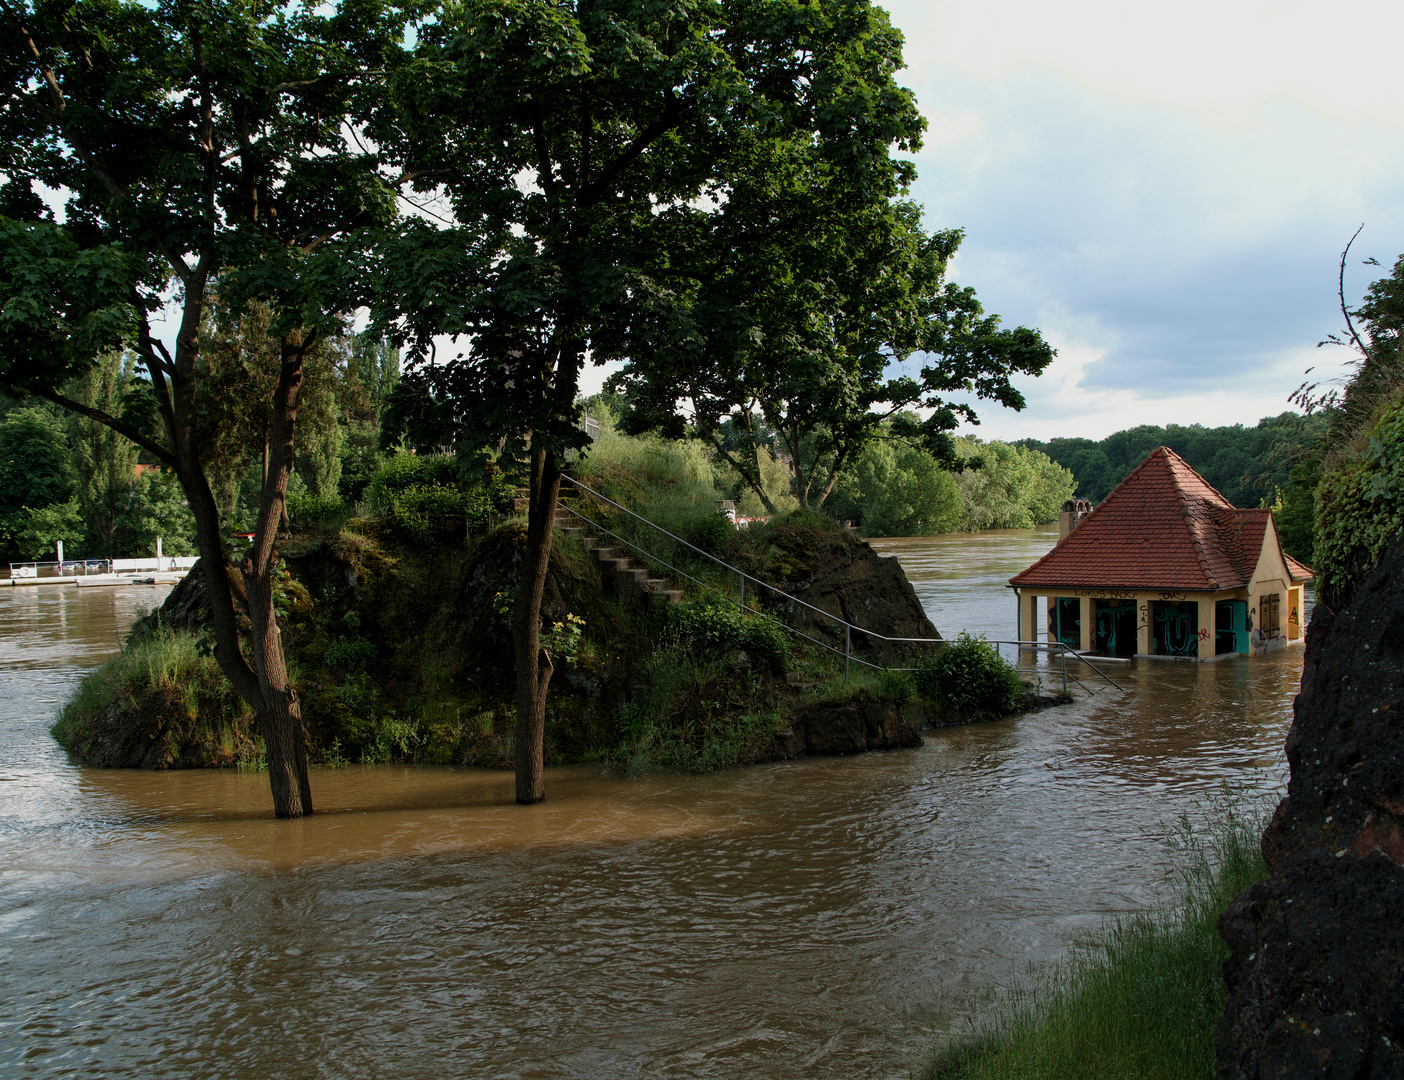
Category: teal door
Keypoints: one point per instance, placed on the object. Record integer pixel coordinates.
(1115, 626)
(1175, 628)
(1065, 618)
(1231, 627)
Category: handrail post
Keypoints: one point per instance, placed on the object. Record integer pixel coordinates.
(742, 578)
(1064, 655)
(847, 650)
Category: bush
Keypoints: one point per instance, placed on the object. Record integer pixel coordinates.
(715, 626)
(417, 495)
(349, 654)
(969, 676)
(318, 511)
(710, 532)
(685, 717)
(1360, 509)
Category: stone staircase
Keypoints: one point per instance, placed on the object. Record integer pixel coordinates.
(620, 575)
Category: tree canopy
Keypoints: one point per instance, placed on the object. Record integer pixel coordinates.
(193, 145)
(580, 147)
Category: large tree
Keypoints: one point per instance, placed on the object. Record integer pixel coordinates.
(810, 286)
(195, 145)
(576, 144)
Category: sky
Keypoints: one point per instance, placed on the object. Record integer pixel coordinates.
(1164, 191)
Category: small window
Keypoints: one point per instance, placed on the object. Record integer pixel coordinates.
(1269, 614)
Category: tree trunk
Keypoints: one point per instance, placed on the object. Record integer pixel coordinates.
(753, 482)
(534, 667)
(264, 685)
(279, 712)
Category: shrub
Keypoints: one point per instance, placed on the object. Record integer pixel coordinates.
(415, 495)
(1360, 509)
(969, 676)
(710, 532)
(319, 511)
(349, 654)
(715, 626)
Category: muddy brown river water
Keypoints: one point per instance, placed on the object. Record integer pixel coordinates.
(819, 918)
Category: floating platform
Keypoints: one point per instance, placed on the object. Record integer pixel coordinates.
(84, 581)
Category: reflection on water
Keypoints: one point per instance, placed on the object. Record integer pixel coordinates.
(808, 919)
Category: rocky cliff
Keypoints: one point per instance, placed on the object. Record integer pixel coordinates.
(1316, 974)
(833, 569)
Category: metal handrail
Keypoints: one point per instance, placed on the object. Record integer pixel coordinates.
(743, 605)
(849, 627)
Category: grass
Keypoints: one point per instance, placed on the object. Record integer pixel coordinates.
(1139, 1000)
(163, 658)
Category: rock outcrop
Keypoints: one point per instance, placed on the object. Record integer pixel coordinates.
(834, 570)
(1316, 973)
(852, 728)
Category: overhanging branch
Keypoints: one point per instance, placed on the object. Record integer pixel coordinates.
(121, 427)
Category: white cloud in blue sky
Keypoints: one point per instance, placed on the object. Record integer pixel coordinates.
(1166, 202)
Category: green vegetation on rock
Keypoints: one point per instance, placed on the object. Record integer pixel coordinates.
(968, 677)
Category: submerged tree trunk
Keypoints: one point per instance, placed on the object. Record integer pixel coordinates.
(264, 685)
(534, 667)
(279, 712)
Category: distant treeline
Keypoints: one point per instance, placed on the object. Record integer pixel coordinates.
(1246, 464)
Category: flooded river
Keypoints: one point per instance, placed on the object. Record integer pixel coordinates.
(818, 918)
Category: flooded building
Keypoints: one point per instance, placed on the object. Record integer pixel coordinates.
(1164, 567)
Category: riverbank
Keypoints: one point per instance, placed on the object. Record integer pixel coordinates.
(1141, 998)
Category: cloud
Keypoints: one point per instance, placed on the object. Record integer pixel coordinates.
(1220, 61)
(1185, 271)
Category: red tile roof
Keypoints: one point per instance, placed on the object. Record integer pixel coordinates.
(1163, 528)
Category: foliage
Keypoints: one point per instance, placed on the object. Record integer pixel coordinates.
(163, 660)
(349, 654)
(418, 494)
(969, 677)
(1338, 507)
(711, 626)
(671, 482)
(198, 150)
(812, 284)
(1236, 460)
(683, 717)
(562, 638)
(1360, 508)
(45, 527)
(35, 472)
(1141, 999)
(1014, 487)
(240, 362)
(328, 512)
(899, 489)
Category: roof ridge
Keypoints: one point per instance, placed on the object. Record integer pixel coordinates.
(1196, 474)
(1192, 525)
